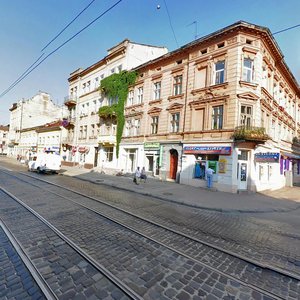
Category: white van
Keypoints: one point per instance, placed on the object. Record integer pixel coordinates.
(47, 162)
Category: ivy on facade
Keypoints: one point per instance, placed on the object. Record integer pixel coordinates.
(116, 87)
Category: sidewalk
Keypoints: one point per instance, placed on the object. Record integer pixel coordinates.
(285, 199)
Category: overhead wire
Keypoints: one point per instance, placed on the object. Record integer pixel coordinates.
(68, 25)
(170, 21)
(34, 66)
(31, 66)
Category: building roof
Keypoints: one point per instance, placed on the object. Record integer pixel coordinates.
(238, 26)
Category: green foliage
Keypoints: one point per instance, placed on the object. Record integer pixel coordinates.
(116, 86)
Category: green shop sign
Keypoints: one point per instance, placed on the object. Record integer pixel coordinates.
(152, 146)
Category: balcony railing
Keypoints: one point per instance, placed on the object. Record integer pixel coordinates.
(250, 133)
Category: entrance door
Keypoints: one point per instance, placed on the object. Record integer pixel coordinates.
(173, 163)
(96, 157)
(242, 175)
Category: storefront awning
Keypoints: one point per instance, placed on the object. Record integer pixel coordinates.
(290, 155)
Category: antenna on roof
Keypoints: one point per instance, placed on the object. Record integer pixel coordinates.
(196, 28)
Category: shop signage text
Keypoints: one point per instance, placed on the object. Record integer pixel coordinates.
(151, 146)
(221, 150)
(266, 157)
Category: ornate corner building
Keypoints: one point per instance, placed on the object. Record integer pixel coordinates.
(226, 101)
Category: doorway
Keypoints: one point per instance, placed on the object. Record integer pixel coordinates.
(243, 170)
(173, 163)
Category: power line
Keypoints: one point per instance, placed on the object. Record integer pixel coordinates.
(289, 28)
(26, 73)
(171, 23)
(16, 81)
(68, 25)
(46, 47)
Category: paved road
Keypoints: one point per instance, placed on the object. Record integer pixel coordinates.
(268, 232)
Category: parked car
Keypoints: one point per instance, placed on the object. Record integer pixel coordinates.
(47, 162)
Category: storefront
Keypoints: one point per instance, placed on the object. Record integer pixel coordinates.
(196, 159)
(268, 171)
(152, 157)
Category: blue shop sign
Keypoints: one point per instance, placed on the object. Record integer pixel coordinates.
(266, 157)
(221, 150)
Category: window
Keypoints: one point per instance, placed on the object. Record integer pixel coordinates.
(217, 117)
(136, 128)
(154, 125)
(248, 70)
(175, 122)
(140, 95)
(198, 120)
(200, 78)
(177, 85)
(108, 151)
(157, 88)
(246, 116)
(112, 100)
(220, 72)
(119, 68)
(96, 83)
(130, 98)
(85, 131)
(128, 128)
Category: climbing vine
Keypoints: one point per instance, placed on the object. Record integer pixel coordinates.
(116, 87)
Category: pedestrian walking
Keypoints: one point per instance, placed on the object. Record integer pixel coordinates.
(137, 175)
(209, 176)
(143, 174)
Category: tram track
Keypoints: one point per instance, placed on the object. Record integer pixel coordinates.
(49, 292)
(252, 265)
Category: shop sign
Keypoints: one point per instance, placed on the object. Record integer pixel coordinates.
(266, 157)
(151, 146)
(221, 150)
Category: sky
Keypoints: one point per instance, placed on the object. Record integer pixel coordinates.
(26, 26)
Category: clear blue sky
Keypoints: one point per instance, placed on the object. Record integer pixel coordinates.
(26, 26)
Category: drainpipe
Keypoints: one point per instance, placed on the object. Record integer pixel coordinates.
(185, 109)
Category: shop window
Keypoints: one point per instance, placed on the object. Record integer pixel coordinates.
(199, 169)
(243, 155)
(108, 153)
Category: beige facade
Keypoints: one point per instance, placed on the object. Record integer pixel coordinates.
(92, 141)
(226, 101)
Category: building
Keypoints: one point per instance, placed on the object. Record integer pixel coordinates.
(26, 116)
(90, 140)
(226, 101)
(4, 139)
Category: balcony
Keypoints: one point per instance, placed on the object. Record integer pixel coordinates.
(250, 133)
(107, 139)
(70, 100)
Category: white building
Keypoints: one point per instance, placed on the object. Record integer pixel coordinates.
(3, 139)
(90, 140)
(26, 116)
